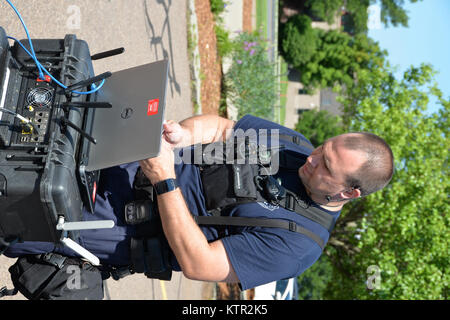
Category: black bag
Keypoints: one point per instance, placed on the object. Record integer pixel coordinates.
(55, 277)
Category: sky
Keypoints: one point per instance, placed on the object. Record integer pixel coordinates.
(427, 39)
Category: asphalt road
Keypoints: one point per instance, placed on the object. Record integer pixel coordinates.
(149, 30)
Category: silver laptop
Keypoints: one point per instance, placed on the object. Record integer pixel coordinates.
(131, 129)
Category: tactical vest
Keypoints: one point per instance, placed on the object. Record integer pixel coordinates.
(226, 185)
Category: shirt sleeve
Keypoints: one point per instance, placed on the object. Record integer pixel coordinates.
(251, 122)
(259, 256)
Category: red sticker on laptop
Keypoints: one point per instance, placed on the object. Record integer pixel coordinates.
(94, 192)
(152, 107)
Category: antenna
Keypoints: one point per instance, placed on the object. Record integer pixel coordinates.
(87, 104)
(65, 121)
(107, 54)
(88, 82)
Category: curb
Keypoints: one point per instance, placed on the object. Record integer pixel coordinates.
(194, 57)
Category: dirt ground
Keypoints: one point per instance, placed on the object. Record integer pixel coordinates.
(210, 64)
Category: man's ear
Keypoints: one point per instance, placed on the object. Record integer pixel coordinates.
(351, 194)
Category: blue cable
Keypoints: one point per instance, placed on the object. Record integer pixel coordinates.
(95, 89)
(40, 67)
(33, 55)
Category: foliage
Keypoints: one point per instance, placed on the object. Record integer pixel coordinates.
(218, 7)
(318, 126)
(314, 281)
(250, 83)
(225, 46)
(357, 10)
(298, 40)
(339, 60)
(403, 229)
(325, 10)
(392, 12)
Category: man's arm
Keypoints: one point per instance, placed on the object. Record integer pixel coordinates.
(198, 259)
(197, 129)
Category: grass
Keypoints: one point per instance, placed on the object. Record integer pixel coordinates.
(261, 24)
(283, 90)
(261, 15)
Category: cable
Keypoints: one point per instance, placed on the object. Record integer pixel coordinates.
(33, 55)
(27, 121)
(95, 89)
(40, 67)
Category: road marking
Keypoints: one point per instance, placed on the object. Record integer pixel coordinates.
(163, 290)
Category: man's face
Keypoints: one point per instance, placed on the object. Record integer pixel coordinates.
(326, 168)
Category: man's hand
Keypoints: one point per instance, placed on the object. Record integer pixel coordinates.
(197, 129)
(161, 167)
(175, 134)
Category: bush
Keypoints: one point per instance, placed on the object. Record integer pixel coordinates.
(217, 7)
(225, 46)
(251, 81)
(318, 126)
(313, 283)
(298, 40)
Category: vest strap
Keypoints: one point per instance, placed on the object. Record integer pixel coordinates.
(258, 222)
(293, 203)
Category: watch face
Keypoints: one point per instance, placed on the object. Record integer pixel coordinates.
(170, 184)
(166, 186)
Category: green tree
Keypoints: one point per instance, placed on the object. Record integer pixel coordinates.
(392, 12)
(318, 126)
(339, 59)
(313, 283)
(298, 40)
(325, 10)
(403, 229)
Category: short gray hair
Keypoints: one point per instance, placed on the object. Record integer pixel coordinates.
(377, 171)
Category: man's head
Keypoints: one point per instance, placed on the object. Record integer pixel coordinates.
(347, 166)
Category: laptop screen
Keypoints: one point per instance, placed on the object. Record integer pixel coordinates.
(130, 130)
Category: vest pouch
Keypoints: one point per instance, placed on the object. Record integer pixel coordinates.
(224, 183)
(244, 182)
(151, 256)
(55, 277)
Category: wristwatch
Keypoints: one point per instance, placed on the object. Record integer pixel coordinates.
(166, 186)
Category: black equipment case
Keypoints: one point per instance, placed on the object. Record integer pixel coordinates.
(39, 176)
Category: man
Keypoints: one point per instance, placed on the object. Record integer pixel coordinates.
(345, 167)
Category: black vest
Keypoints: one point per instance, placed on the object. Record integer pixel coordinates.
(234, 179)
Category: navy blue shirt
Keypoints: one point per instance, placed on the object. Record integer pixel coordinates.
(258, 255)
(261, 255)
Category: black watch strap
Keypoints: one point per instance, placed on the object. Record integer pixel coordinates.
(166, 186)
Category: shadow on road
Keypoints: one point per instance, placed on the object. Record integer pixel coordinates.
(156, 41)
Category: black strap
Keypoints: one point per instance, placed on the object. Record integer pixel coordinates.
(142, 186)
(4, 292)
(258, 222)
(54, 259)
(297, 205)
(6, 242)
